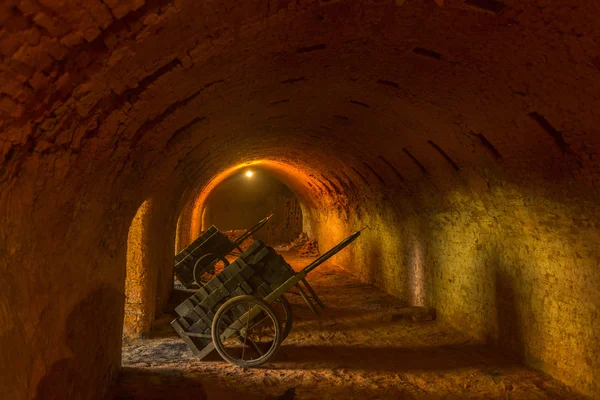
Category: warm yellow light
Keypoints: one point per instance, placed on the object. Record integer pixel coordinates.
(249, 174)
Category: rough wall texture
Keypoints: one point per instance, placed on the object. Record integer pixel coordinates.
(521, 271)
(414, 117)
(140, 278)
(515, 269)
(288, 223)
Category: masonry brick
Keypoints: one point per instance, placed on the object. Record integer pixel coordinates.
(502, 241)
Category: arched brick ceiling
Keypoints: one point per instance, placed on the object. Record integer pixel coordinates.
(415, 87)
(106, 103)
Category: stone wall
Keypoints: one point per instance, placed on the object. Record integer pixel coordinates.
(515, 269)
(520, 271)
(287, 223)
(149, 270)
(140, 279)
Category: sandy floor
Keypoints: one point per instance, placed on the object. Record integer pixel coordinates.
(354, 350)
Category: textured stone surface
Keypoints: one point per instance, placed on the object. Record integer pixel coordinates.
(140, 275)
(517, 271)
(466, 137)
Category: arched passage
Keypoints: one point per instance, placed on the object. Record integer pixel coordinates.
(463, 132)
(302, 180)
(243, 199)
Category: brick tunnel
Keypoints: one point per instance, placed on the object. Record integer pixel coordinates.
(464, 133)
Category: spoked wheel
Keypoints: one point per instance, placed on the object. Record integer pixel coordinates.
(283, 311)
(246, 331)
(207, 267)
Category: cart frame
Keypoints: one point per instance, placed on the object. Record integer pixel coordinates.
(296, 280)
(207, 261)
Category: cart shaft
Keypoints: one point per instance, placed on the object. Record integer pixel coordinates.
(300, 276)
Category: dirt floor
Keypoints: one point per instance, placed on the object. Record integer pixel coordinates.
(357, 349)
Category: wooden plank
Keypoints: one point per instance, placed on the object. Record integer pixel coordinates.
(186, 338)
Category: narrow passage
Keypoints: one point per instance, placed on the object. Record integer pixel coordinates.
(364, 345)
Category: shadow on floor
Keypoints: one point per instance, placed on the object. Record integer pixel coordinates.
(157, 384)
(162, 383)
(392, 359)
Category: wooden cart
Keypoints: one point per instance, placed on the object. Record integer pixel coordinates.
(242, 312)
(195, 264)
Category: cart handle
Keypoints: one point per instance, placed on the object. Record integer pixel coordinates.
(240, 239)
(333, 251)
(274, 295)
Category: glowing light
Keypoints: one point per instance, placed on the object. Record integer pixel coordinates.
(249, 174)
(295, 176)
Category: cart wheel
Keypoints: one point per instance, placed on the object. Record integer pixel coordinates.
(283, 310)
(243, 341)
(204, 269)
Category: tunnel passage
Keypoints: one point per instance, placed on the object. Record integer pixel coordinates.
(245, 198)
(235, 201)
(464, 133)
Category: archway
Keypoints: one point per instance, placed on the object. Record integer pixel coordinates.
(245, 198)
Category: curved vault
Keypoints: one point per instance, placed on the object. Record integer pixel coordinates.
(314, 190)
(463, 132)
